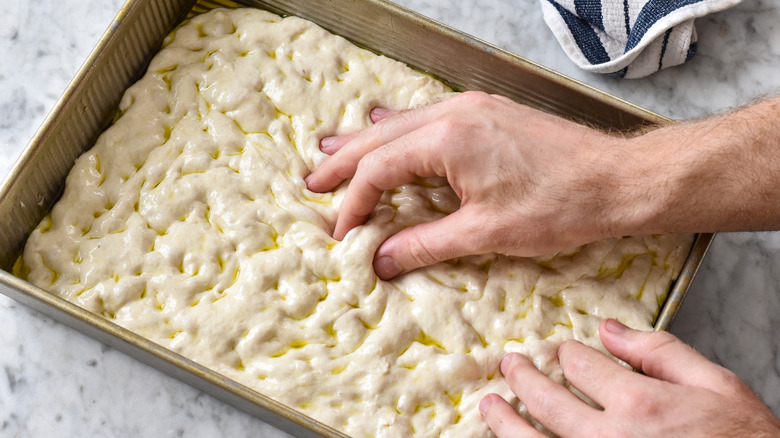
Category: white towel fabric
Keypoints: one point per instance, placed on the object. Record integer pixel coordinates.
(628, 38)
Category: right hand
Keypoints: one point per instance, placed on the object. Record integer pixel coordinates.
(529, 183)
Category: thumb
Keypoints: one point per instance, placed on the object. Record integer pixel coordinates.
(426, 244)
(661, 355)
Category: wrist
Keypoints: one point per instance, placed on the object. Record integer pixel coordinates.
(637, 176)
(604, 196)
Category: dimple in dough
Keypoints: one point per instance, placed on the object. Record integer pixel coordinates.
(189, 223)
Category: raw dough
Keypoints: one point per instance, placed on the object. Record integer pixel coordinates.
(189, 223)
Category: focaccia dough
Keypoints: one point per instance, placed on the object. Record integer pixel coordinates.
(189, 223)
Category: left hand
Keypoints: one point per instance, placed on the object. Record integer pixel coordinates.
(680, 394)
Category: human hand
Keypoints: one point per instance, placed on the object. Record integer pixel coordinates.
(529, 183)
(680, 394)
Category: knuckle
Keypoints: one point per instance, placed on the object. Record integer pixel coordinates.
(502, 98)
(341, 171)
(543, 404)
(663, 338)
(375, 134)
(479, 100)
(515, 369)
(732, 382)
(639, 401)
(364, 165)
(379, 130)
(370, 164)
(659, 345)
(572, 364)
(443, 128)
(474, 97)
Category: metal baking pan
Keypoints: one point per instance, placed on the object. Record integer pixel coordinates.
(121, 56)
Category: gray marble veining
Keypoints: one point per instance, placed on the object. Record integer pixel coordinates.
(56, 382)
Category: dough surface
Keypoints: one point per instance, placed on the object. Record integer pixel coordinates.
(189, 223)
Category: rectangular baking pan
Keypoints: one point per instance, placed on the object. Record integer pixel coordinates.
(121, 56)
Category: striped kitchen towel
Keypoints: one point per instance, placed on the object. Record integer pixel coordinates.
(628, 38)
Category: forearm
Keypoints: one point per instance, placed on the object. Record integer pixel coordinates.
(718, 174)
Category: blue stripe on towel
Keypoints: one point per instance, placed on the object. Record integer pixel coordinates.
(692, 51)
(620, 73)
(627, 17)
(590, 11)
(653, 11)
(584, 35)
(663, 48)
(614, 36)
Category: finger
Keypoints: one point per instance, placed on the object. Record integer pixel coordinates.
(455, 235)
(549, 403)
(503, 420)
(378, 114)
(592, 372)
(366, 188)
(388, 167)
(663, 356)
(331, 145)
(344, 162)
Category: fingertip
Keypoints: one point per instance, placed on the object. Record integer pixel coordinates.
(378, 114)
(328, 144)
(334, 143)
(427, 243)
(387, 268)
(314, 182)
(562, 346)
(659, 354)
(613, 334)
(386, 260)
(311, 182)
(346, 222)
(509, 361)
(339, 232)
(485, 404)
(503, 419)
(614, 326)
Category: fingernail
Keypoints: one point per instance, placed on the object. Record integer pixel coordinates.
(378, 113)
(484, 405)
(386, 267)
(307, 179)
(614, 326)
(327, 143)
(505, 363)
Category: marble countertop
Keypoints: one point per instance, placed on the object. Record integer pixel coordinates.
(56, 382)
